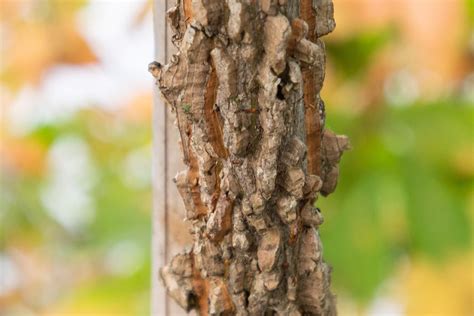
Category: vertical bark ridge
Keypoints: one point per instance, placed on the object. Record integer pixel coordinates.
(200, 292)
(193, 181)
(212, 117)
(312, 118)
(244, 86)
(188, 10)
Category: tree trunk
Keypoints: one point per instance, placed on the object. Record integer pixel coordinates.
(244, 87)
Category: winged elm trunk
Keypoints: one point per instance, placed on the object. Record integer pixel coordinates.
(244, 87)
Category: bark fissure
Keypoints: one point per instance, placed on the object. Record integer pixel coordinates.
(244, 86)
(212, 117)
(310, 93)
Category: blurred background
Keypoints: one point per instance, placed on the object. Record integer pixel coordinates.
(75, 196)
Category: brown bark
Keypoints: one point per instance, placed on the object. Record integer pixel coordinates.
(244, 87)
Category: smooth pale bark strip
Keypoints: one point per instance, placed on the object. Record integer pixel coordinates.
(159, 299)
(178, 230)
(170, 233)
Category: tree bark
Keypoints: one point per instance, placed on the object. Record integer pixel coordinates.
(244, 87)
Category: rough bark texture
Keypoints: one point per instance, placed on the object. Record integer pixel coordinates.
(244, 87)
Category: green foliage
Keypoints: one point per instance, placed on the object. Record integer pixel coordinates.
(122, 214)
(470, 11)
(401, 193)
(352, 55)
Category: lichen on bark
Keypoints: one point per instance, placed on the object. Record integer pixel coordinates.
(244, 87)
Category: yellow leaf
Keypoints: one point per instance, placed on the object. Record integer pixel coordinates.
(430, 289)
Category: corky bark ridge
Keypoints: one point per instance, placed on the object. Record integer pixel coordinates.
(244, 87)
